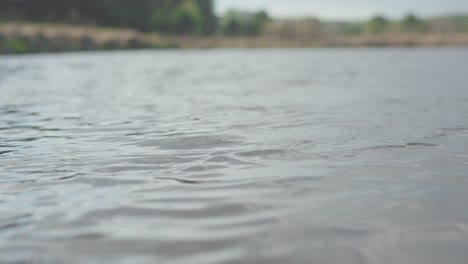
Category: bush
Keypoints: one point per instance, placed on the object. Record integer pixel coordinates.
(377, 25)
(239, 23)
(411, 23)
(16, 45)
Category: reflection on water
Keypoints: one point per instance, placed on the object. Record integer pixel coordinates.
(230, 156)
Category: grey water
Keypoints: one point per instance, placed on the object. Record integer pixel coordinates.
(235, 156)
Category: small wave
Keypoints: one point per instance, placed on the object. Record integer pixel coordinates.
(189, 142)
(403, 146)
(280, 154)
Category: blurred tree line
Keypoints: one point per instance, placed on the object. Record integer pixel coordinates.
(179, 17)
(165, 16)
(408, 24)
(411, 23)
(197, 17)
(241, 23)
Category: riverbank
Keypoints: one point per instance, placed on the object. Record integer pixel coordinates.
(35, 38)
(384, 40)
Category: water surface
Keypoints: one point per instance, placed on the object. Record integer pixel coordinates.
(234, 156)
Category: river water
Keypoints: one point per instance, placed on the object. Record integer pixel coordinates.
(235, 156)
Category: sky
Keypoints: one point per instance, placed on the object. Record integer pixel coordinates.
(347, 9)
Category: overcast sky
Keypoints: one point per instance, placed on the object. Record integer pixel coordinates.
(347, 9)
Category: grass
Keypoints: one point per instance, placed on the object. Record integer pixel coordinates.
(16, 45)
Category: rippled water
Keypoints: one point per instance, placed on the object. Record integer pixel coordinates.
(234, 156)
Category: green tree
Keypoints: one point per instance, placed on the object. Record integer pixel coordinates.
(377, 25)
(411, 23)
(168, 16)
(260, 19)
(187, 19)
(210, 21)
(237, 23)
(232, 28)
(161, 20)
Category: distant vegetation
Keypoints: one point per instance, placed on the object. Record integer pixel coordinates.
(63, 25)
(241, 23)
(196, 17)
(166, 16)
(378, 25)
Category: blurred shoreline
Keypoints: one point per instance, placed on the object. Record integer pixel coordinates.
(19, 38)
